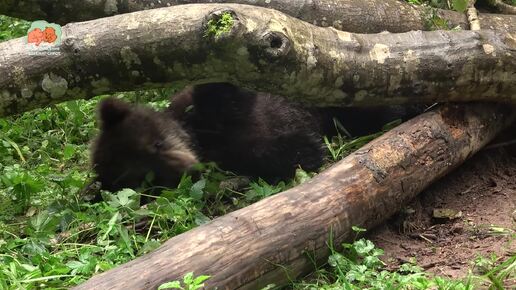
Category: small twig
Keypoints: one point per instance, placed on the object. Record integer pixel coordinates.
(67, 234)
(431, 107)
(140, 225)
(430, 265)
(421, 236)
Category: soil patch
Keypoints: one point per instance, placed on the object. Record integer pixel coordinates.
(480, 197)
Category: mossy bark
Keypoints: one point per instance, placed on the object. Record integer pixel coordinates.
(361, 16)
(264, 50)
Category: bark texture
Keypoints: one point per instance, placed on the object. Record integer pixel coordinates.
(502, 7)
(267, 241)
(360, 16)
(264, 50)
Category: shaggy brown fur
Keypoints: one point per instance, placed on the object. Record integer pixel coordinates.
(134, 142)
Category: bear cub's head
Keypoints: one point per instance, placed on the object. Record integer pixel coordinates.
(136, 144)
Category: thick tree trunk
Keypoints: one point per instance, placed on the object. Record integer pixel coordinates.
(263, 50)
(265, 242)
(360, 16)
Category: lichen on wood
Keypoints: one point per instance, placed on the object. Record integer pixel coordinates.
(362, 16)
(261, 49)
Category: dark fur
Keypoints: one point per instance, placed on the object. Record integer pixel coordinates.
(250, 133)
(240, 129)
(135, 141)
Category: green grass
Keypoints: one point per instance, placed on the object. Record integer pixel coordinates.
(432, 19)
(358, 266)
(217, 27)
(457, 5)
(50, 238)
(190, 282)
(12, 27)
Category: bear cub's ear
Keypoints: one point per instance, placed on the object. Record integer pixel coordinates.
(113, 111)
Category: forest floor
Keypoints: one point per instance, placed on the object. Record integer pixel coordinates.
(480, 198)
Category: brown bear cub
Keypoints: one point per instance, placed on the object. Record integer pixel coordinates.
(249, 133)
(134, 142)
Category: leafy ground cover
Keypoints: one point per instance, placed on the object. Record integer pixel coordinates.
(51, 238)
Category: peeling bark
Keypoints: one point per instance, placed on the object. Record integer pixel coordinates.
(264, 50)
(265, 242)
(360, 16)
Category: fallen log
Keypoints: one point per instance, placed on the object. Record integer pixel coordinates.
(500, 6)
(265, 242)
(261, 49)
(360, 16)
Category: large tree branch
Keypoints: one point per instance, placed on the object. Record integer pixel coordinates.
(502, 7)
(265, 50)
(265, 242)
(361, 16)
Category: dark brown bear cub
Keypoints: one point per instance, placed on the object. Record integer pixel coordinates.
(134, 142)
(249, 133)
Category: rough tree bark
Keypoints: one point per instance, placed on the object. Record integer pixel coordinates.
(263, 50)
(360, 16)
(265, 242)
(501, 6)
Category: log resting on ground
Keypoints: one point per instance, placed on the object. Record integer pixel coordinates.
(268, 242)
(264, 50)
(501, 6)
(360, 16)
